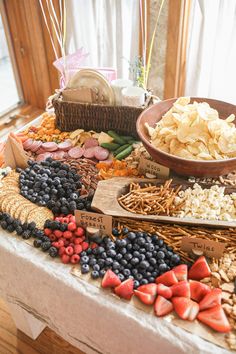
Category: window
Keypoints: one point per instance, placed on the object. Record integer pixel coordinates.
(10, 89)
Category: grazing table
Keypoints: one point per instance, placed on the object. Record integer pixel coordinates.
(41, 292)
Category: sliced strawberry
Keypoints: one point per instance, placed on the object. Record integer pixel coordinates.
(110, 279)
(150, 288)
(181, 272)
(167, 278)
(162, 306)
(185, 308)
(181, 289)
(125, 289)
(147, 299)
(164, 291)
(198, 290)
(200, 269)
(211, 299)
(215, 318)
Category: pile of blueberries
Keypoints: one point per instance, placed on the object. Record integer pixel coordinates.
(53, 184)
(139, 255)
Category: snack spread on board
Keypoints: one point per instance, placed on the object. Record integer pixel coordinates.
(142, 260)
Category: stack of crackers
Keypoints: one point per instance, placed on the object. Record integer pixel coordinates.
(13, 203)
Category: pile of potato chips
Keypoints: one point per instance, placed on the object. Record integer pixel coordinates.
(195, 132)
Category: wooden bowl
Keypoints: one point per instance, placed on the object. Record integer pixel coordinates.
(201, 168)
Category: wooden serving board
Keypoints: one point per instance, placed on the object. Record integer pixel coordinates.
(107, 193)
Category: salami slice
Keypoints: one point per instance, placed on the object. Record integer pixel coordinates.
(90, 142)
(101, 153)
(40, 151)
(58, 155)
(35, 146)
(27, 144)
(76, 152)
(50, 146)
(90, 152)
(65, 146)
(43, 157)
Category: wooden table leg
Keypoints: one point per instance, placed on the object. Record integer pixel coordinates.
(26, 322)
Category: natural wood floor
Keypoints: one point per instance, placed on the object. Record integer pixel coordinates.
(13, 341)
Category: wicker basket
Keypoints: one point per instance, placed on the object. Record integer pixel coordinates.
(74, 115)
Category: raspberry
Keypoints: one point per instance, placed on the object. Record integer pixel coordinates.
(79, 231)
(60, 243)
(69, 250)
(67, 234)
(75, 259)
(47, 232)
(66, 243)
(58, 233)
(58, 218)
(78, 249)
(65, 258)
(55, 244)
(52, 237)
(85, 246)
(78, 240)
(71, 226)
(66, 220)
(71, 244)
(61, 251)
(72, 240)
(72, 218)
(93, 245)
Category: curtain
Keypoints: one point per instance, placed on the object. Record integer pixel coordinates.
(107, 29)
(211, 56)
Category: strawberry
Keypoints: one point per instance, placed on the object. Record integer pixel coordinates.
(150, 288)
(181, 272)
(125, 289)
(164, 291)
(198, 290)
(215, 318)
(211, 299)
(58, 233)
(110, 279)
(147, 299)
(79, 231)
(162, 306)
(185, 308)
(181, 289)
(199, 269)
(167, 278)
(71, 226)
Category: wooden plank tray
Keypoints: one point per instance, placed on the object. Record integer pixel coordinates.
(106, 197)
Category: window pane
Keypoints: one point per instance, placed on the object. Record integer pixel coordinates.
(9, 96)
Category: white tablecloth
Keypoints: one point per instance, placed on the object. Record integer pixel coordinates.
(82, 313)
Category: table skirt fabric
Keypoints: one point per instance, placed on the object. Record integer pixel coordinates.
(85, 315)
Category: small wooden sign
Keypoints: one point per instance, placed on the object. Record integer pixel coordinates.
(200, 246)
(97, 221)
(150, 167)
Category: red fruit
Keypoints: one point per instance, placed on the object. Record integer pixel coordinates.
(125, 289)
(164, 291)
(66, 220)
(110, 279)
(69, 250)
(72, 218)
(66, 243)
(162, 306)
(167, 278)
(93, 245)
(147, 299)
(215, 318)
(55, 244)
(198, 290)
(185, 308)
(75, 259)
(78, 240)
(58, 233)
(65, 258)
(71, 244)
(47, 232)
(211, 299)
(85, 246)
(60, 243)
(181, 272)
(200, 269)
(58, 218)
(181, 289)
(61, 251)
(71, 226)
(67, 234)
(72, 240)
(78, 249)
(150, 288)
(79, 231)
(52, 237)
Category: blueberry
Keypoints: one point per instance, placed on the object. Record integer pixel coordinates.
(96, 267)
(136, 284)
(160, 243)
(138, 277)
(123, 262)
(123, 243)
(126, 272)
(142, 257)
(92, 261)
(100, 250)
(151, 279)
(101, 262)
(109, 261)
(134, 271)
(115, 265)
(121, 276)
(95, 274)
(102, 273)
(84, 260)
(123, 251)
(175, 259)
(131, 236)
(152, 261)
(160, 255)
(141, 241)
(144, 264)
(134, 261)
(142, 250)
(148, 255)
(129, 247)
(143, 281)
(104, 255)
(125, 230)
(84, 268)
(118, 257)
(115, 232)
(149, 247)
(111, 253)
(128, 256)
(139, 234)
